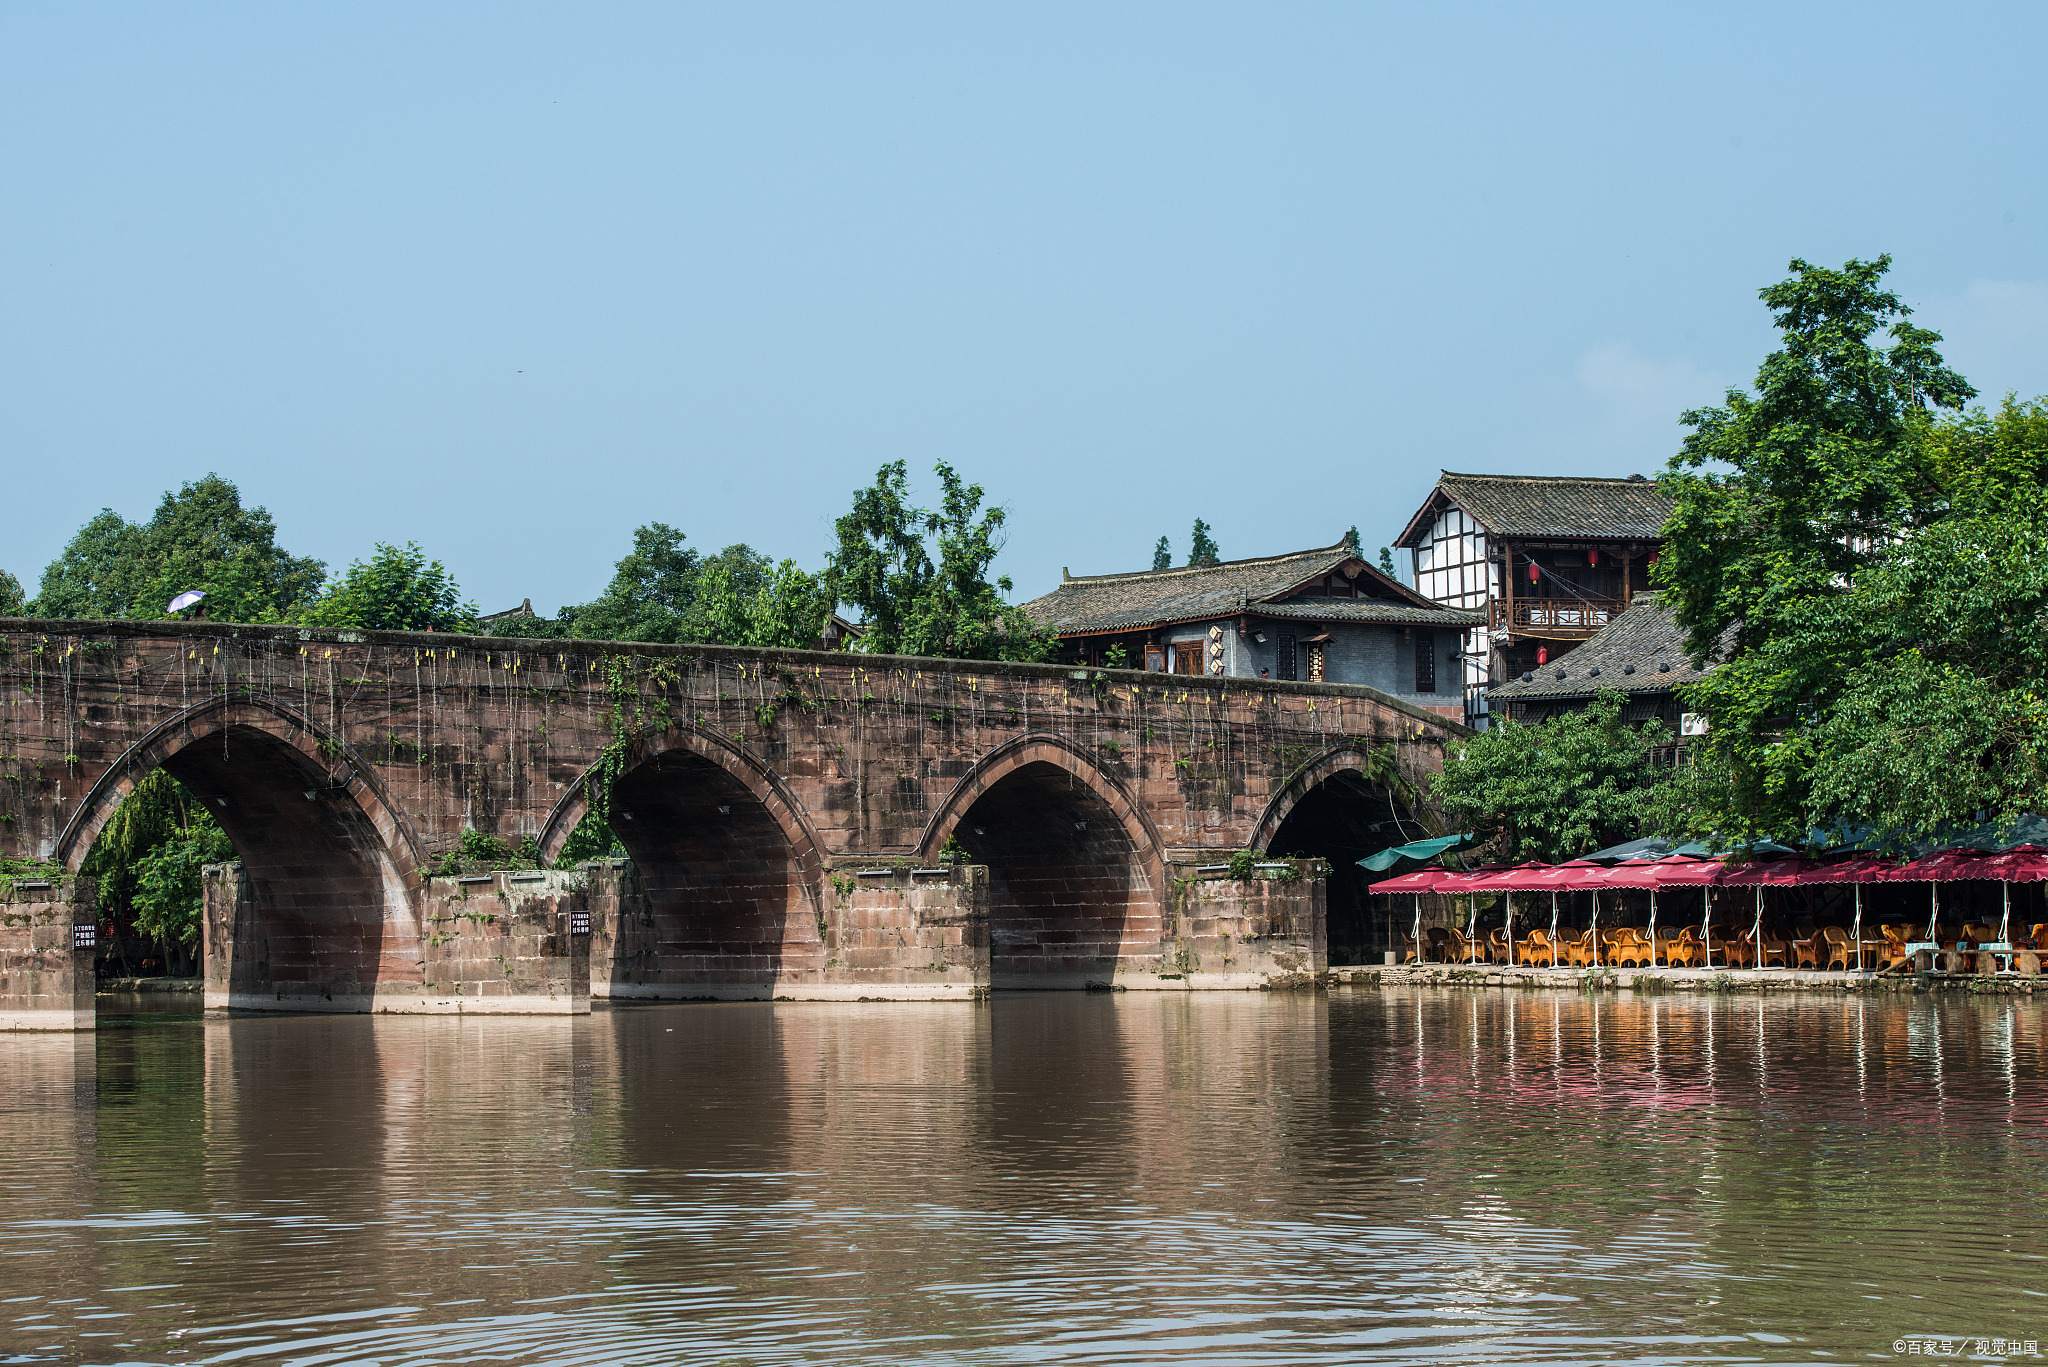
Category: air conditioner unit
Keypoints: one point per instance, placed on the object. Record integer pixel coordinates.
(1692, 724)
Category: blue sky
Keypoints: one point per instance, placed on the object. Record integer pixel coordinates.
(510, 280)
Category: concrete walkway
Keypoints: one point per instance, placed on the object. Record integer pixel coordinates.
(1674, 979)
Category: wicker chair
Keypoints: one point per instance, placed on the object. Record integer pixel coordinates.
(1535, 950)
(1841, 950)
(1459, 950)
(1625, 946)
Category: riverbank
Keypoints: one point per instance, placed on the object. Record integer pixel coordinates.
(1679, 979)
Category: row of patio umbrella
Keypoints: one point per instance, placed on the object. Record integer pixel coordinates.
(2025, 864)
(1683, 871)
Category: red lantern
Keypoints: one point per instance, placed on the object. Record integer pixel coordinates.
(1592, 557)
(1542, 656)
(1532, 571)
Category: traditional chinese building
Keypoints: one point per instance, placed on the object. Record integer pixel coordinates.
(1639, 654)
(1548, 560)
(1318, 616)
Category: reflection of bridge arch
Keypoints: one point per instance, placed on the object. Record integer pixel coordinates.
(728, 867)
(1076, 868)
(328, 869)
(1337, 806)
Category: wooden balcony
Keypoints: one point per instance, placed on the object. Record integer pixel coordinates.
(1574, 618)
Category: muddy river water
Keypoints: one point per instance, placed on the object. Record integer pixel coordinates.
(1401, 1176)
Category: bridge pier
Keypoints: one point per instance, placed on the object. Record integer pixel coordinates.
(893, 931)
(1270, 930)
(497, 944)
(880, 928)
(46, 978)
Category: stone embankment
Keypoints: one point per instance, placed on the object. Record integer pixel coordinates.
(190, 987)
(1679, 979)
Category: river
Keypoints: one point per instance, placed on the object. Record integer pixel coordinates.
(1400, 1176)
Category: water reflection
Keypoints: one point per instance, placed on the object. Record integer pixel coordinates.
(1373, 1176)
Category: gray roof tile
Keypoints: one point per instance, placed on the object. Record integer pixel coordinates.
(1150, 598)
(1624, 656)
(1549, 505)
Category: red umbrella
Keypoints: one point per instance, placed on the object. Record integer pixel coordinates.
(1422, 880)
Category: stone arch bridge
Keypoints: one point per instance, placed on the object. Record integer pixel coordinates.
(799, 823)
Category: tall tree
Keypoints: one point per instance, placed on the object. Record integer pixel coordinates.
(396, 589)
(1781, 499)
(11, 602)
(201, 537)
(1162, 555)
(1576, 783)
(1201, 546)
(1920, 683)
(651, 593)
(916, 604)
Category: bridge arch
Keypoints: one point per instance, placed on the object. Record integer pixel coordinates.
(324, 907)
(1076, 867)
(1339, 806)
(726, 896)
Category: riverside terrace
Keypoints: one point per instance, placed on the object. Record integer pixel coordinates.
(1973, 909)
(799, 823)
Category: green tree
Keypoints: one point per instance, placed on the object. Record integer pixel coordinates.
(789, 611)
(592, 839)
(1780, 500)
(11, 603)
(1162, 556)
(1921, 683)
(1387, 563)
(1567, 786)
(1201, 546)
(148, 857)
(201, 537)
(1352, 543)
(396, 589)
(916, 604)
(663, 591)
(650, 595)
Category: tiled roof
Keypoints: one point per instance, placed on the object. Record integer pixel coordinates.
(1400, 614)
(1133, 602)
(1640, 651)
(1549, 505)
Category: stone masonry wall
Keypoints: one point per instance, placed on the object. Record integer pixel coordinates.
(439, 733)
(45, 983)
(743, 783)
(1264, 931)
(495, 945)
(893, 932)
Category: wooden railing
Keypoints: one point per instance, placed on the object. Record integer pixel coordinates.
(1555, 616)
